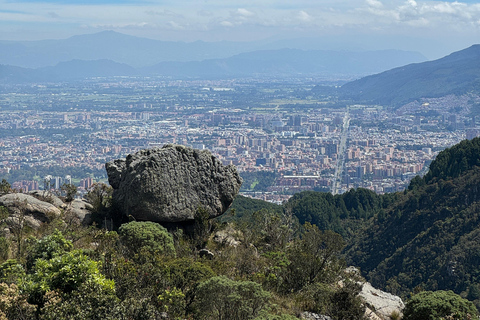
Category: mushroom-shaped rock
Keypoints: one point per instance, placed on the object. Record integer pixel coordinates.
(169, 184)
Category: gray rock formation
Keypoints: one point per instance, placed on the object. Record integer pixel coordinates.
(24, 208)
(382, 303)
(169, 184)
(49, 197)
(80, 210)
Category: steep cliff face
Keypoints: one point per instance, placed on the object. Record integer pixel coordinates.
(169, 184)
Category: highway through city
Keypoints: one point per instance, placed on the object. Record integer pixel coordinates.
(337, 179)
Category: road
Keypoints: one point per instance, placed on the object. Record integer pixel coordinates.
(337, 179)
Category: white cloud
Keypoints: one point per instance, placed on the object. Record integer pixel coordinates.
(245, 12)
(304, 16)
(375, 3)
(226, 24)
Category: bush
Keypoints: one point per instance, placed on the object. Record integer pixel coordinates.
(148, 237)
(222, 298)
(48, 247)
(436, 305)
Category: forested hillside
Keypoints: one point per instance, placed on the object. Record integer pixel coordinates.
(429, 237)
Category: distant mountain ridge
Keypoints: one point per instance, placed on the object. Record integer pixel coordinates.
(120, 54)
(134, 51)
(457, 73)
(286, 62)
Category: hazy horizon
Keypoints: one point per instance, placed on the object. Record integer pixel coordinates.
(433, 28)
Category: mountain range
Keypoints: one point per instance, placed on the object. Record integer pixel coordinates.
(114, 54)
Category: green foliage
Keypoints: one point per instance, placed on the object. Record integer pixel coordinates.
(343, 213)
(172, 302)
(11, 271)
(267, 229)
(202, 228)
(313, 259)
(89, 301)
(244, 207)
(4, 248)
(48, 247)
(100, 197)
(147, 237)
(453, 162)
(69, 191)
(186, 274)
(425, 235)
(66, 273)
(5, 187)
(346, 304)
(428, 305)
(221, 298)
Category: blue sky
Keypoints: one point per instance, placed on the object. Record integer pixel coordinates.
(432, 27)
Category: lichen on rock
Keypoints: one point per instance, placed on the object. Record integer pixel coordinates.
(169, 184)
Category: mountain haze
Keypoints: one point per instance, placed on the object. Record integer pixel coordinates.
(289, 62)
(52, 60)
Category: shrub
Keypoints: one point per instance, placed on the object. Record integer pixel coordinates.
(436, 305)
(222, 298)
(147, 237)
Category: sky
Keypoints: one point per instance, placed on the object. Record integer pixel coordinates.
(434, 28)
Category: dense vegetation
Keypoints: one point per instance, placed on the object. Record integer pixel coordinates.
(282, 260)
(277, 270)
(428, 238)
(344, 213)
(425, 238)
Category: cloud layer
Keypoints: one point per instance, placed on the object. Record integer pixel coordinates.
(212, 20)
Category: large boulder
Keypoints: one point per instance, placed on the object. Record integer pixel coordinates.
(28, 209)
(169, 184)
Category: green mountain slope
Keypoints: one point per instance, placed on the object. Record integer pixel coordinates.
(457, 73)
(428, 238)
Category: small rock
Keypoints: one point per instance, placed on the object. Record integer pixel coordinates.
(313, 316)
(204, 253)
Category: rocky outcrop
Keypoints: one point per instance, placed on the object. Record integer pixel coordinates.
(169, 184)
(80, 210)
(24, 208)
(381, 303)
(49, 197)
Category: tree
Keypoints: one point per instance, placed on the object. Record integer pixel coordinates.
(69, 191)
(48, 247)
(65, 273)
(5, 187)
(345, 302)
(436, 305)
(100, 197)
(314, 258)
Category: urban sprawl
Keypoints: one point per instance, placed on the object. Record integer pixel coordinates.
(308, 142)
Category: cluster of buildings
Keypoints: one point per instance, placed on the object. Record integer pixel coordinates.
(302, 145)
